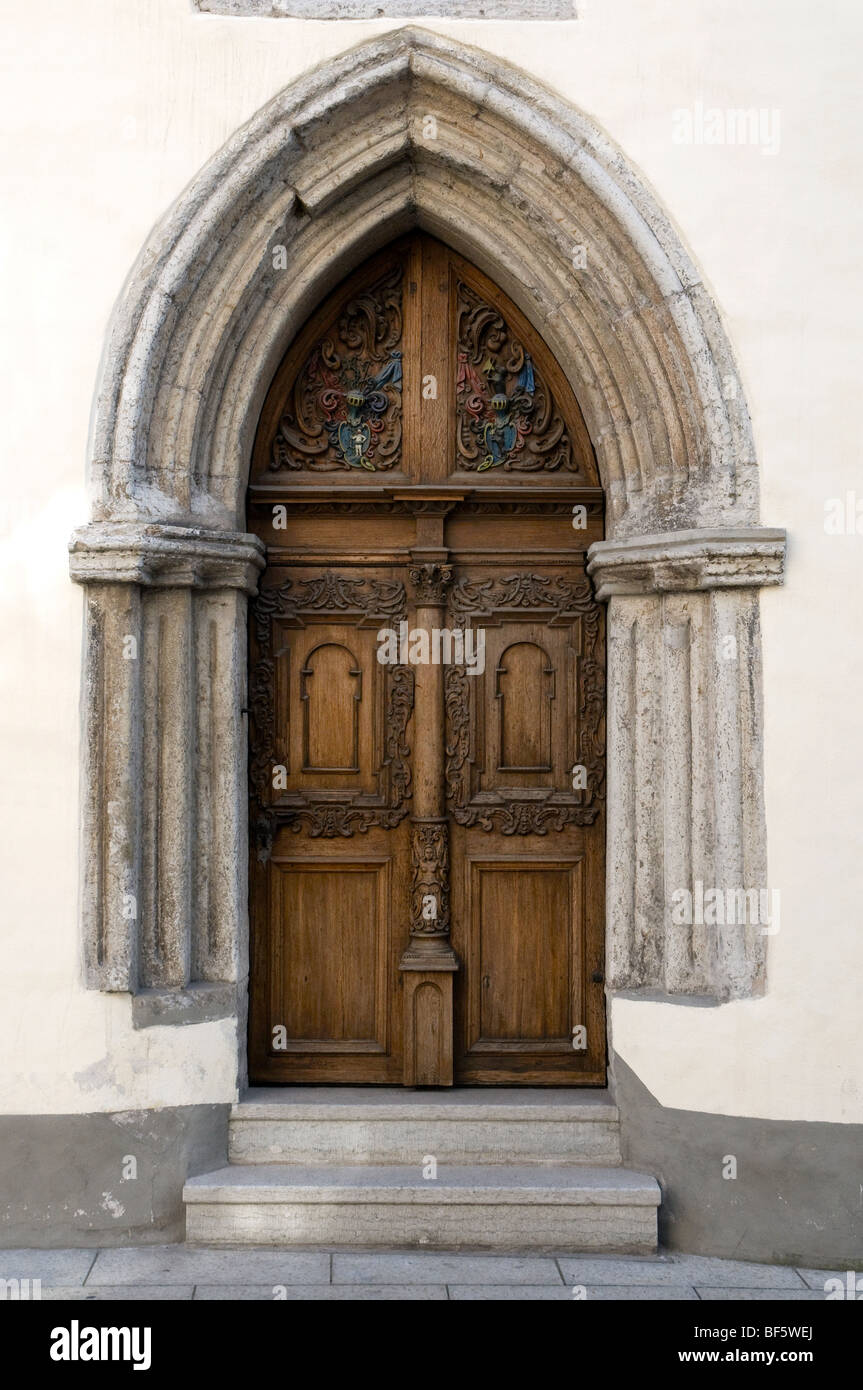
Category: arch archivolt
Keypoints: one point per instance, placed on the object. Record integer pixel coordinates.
(533, 193)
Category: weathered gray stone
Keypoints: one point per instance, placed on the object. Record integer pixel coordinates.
(608, 1293)
(688, 561)
(179, 557)
(322, 1293)
(121, 1293)
(332, 168)
(178, 1264)
(306, 1126)
(517, 1207)
(70, 1266)
(434, 1268)
(765, 1295)
(391, 9)
(200, 1003)
(685, 791)
(164, 797)
(176, 410)
(678, 1270)
(817, 1278)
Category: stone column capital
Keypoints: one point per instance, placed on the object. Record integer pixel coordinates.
(726, 557)
(163, 556)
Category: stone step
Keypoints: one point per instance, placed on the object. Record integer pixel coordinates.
(371, 1125)
(483, 1207)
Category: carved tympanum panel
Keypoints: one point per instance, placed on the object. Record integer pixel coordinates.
(344, 408)
(507, 416)
(419, 367)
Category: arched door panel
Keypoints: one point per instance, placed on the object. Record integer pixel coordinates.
(426, 696)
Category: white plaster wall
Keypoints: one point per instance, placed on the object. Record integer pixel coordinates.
(108, 110)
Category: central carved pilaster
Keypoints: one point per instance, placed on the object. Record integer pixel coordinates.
(429, 961)
(430, 881)
(430, 583)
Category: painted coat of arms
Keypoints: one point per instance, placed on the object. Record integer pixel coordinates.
(344, 406)
(507, 417)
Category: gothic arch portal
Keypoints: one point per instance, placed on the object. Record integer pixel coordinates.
(410, 130)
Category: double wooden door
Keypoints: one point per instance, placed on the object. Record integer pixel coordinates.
(426, 696)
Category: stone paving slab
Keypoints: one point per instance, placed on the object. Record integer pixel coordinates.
(177, 1264)
(51, 1266)
(125, 1293)
(713, 1272)
(328, 1293)
(181, 1272)
(817, 1278)
(729, 1292)
(433, 1268)
(685, 1269)
(547, 1293)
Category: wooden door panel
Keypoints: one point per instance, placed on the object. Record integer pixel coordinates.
(526, 833)
(330, 979)
(426, 871)
(523, 955)
(331, 790)
(327, 693)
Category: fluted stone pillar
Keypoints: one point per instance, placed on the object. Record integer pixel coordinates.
(685, 805)
(164, 859)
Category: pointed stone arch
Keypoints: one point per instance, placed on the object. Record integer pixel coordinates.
(412, 129)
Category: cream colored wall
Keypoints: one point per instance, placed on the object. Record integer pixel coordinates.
(109, 109)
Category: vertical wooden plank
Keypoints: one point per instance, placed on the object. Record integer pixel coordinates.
(436, 365)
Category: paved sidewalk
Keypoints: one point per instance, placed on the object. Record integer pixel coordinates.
(186, 1272)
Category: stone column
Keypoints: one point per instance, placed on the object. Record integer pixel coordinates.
(164, 740)
(429, 961)
(685, 796)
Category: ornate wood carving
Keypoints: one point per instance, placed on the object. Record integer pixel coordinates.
(565, 600)
(534, 506)
(344, 409)
(506, 415)
(337, 593)
(430, 583)
(420, 833)
(430, 883)
(564, 597)
(371, 599)
(365, 506)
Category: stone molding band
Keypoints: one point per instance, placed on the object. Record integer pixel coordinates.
(165, 556)
(688, 561)
(390, 9)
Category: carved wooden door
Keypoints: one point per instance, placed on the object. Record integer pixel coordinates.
(426, 696)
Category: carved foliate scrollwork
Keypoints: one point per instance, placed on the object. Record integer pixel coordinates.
(506, 414)
(344, 408)
(337, 593)
(430, 912)
(563, 599)
(333, 593)
(563, 596)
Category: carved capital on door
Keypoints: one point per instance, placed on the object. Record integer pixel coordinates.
(431, 582)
